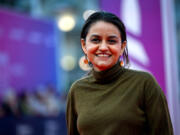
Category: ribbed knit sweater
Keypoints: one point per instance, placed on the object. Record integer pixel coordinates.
(117, 101)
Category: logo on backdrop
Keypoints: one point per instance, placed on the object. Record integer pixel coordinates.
(8, 70)
(132, 20)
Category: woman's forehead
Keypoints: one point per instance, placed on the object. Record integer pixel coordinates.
(102, 27)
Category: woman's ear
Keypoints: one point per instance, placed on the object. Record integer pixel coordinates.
(123, 46)
(83, 45)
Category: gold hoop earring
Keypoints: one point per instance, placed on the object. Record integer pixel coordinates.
(86, 61)
(121, 63)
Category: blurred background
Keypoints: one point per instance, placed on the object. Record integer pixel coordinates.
(41, 56)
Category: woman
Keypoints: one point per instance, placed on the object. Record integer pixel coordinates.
(113, 100)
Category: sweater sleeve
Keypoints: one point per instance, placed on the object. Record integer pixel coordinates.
(71, 115)
(156, 108)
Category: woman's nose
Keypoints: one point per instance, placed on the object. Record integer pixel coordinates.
(103, 46)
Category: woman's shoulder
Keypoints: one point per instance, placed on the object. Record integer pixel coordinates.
(146, 78)
(80, 82)
(138, 73)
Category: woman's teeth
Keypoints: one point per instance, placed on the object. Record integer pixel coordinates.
(103, 55)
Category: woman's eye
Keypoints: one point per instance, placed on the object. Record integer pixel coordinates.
(112, 41)
(95, 40)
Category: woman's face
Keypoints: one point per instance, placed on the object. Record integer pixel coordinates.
(103, 45)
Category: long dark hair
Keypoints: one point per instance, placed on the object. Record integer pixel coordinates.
(110, 18)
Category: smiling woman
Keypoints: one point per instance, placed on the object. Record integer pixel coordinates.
(103, 45)
(114, 100)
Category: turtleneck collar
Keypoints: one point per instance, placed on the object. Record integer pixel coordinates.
(109, 74)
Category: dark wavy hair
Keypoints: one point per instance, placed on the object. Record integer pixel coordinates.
(110, 18)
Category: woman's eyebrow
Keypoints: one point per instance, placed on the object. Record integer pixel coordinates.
(95, 35)
(110, 36)
(113, 36)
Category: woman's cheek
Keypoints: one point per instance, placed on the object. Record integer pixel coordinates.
(92, 48)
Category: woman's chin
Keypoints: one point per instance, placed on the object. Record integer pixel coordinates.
(102, 67)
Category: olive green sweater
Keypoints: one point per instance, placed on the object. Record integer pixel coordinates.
(117, 101)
